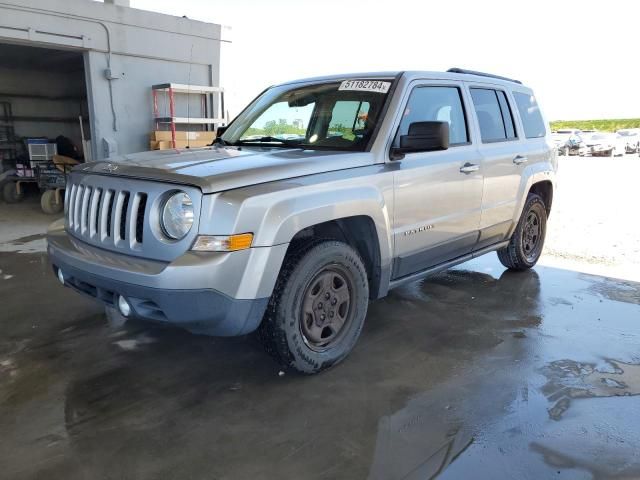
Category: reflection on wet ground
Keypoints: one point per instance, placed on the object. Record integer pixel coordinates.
(473, 373)
(568, 380)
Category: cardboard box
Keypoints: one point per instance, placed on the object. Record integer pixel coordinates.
(191, 143)
(192, 136)
(166, 144)
(159, 145)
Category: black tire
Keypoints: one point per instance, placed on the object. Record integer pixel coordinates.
(10, 192)
(48, 202)
(300, 329)
(527, 242)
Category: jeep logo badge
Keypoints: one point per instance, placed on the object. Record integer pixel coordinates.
(110, 167)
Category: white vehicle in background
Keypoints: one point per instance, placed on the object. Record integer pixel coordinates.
(585, 137)
(604, 144)
(631, 138)
(567, 140)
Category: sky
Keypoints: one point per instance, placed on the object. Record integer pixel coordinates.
(582, 58)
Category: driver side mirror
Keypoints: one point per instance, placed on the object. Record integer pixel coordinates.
(221, 130)
(423, 137)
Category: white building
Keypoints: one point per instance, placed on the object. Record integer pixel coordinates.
(61, 59)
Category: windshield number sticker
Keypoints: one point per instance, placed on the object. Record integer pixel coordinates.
(365, 86)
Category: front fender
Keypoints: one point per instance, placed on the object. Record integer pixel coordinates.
(276, 215)
(288, 216)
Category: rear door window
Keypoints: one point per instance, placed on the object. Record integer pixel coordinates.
(507, 116)
(494, 115)
(534, 126)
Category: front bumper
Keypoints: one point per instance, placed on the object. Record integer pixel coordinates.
(222, 294)
(599, 149)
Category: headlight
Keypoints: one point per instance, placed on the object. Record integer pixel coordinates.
(177, 216)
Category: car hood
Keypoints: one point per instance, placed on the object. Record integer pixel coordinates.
(215, 169)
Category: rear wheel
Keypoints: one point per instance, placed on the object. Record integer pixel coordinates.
(49, 203)
(318, 307)
(525, 246)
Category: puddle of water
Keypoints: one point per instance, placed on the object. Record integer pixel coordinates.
(34, 246)
(28, 238)
(618, 290)
(5, 276)
(568, 380)
(132, 344)
(29, 244)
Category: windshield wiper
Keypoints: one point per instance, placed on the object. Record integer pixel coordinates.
(267, 139)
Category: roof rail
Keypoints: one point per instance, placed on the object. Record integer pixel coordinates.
(482, 74)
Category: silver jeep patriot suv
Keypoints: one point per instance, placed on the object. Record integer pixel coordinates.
(320, 196)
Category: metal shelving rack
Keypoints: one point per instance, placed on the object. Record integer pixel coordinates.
(8, 144)
(211, 103)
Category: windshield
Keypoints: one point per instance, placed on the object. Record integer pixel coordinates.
(333, 116)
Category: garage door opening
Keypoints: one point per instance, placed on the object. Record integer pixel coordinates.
(44, 121)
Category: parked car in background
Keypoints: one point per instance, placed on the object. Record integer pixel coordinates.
(631, 138)
(585, 138)
(604, 144)
(567, 140)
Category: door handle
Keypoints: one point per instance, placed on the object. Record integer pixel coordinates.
(469, 168)
(519, 159)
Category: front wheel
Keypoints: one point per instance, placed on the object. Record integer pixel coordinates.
(525, 246)
(318, 307)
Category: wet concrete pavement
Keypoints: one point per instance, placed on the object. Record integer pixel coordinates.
(473, 373)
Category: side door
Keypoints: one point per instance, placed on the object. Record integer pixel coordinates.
(504, 157)
(438, 195)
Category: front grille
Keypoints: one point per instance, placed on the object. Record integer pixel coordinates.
(140, 219)
(121, 214)
(110, 216)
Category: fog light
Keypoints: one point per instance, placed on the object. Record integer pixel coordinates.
(60, 276)
(123, 306)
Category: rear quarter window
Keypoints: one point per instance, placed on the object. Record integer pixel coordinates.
(532, 122)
